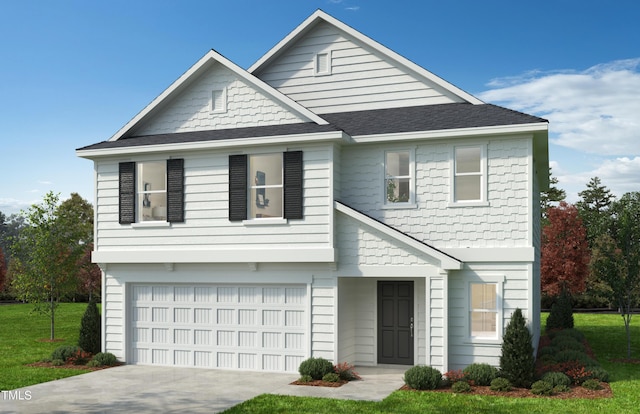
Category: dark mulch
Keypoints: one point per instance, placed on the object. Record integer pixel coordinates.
(70, 366)
(320, 383)
(576, 392)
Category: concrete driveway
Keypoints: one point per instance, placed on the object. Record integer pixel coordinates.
(146, 389)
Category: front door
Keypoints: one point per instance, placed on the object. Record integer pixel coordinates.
(395, 323)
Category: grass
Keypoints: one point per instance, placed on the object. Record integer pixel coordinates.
(21, 343)
(605, 333)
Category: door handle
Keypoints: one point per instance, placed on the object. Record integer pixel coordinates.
(411, 326)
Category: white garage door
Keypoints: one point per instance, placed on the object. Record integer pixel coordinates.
(219, 326)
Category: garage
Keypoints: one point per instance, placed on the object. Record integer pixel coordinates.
(257, 327)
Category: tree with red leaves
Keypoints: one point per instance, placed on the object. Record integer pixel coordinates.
(565, 251)
(89, 274)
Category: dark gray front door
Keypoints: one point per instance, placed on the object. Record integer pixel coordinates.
(395, 323)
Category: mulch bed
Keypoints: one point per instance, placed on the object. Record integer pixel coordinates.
(320, 383)
(70, 366)
(576, 392)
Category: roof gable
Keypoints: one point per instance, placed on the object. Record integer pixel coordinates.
(213, 71)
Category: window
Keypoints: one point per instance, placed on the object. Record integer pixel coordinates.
(323, 63)
(469, 174)
(398, 181)
(219, 100)
(483, 315)
(265, 186)
(151, 191)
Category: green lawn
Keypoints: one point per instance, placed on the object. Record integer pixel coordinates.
(605, 333)
(21, 333)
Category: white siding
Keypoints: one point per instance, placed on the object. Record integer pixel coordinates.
(324, 318)
(436, 324)
(191, 110)
(206, 223)
(114, 317)
(360, 78)
(503, 223)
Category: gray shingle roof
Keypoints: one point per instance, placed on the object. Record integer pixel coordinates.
(378, 121)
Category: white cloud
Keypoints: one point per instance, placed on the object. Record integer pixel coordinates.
(595, 111)
(10, 206)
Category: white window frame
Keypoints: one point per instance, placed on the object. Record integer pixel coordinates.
(317, 70)
(223, 97)
(498, 281)
(483, 200)
(411, 202)
(141, 192)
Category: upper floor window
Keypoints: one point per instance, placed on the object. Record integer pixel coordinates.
(265, 186)
(469, 178)
(152, 191)
(398, 177)
(483, 315)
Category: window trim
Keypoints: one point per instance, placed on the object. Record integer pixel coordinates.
(483, 201)
(223, 95)
(411, 203)
(316, 66)
(499, 282)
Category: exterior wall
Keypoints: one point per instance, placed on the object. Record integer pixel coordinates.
(515, 280)
(436, 323)
(360, 79)
(191, 110)
(206, 196)
(504, 222)
(536, 307)
(324, 316)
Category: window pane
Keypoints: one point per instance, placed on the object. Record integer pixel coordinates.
(398, 190)
(154, 207)
(484, 324)
(468, 160)
(483, 296)
(151, 188)
(152, 176)
(467, 187)
(397, 163)
(265, 202)
(265, 169)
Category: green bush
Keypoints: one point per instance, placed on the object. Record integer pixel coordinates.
(558, 389)
(556, 378)
(461, 387)
(562, 343)
(331, 377)
(480, 374)
(316, 368)
(305, 378)
(592, 384)
(422, 377)
(517, 362)
(500, 384)
(105, 359)
(581, 357)
(561, 315)
(600, 374)
(90, 330)
(548, 351)
(542, 388)
(57, 362)
(64, 352)
(573, 333)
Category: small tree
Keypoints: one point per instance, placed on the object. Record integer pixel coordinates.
(3, 270)
(561, 315)
(517, 362)
(89, 274)
(90, 331)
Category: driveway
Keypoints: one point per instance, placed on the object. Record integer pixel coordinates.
(147, 389)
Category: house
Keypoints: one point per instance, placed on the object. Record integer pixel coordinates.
(334, 200)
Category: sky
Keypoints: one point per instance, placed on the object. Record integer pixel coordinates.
(73, 72)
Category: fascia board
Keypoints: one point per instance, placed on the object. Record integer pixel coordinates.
(210, 57)
(337, 136)
(446, 262)
(453, 133)
(320, 15)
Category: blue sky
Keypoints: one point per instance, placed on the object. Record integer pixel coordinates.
(73, 72)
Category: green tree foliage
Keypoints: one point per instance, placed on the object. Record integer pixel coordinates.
(90, 330)
(47, 252)
(561, 315)
(565, 253)
(550, 197)
(517, 362)
(3, 270)
(10, 228)
(616, 258)
(594, 208)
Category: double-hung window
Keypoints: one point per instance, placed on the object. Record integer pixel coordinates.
(265, 186)
(469, 178)
(483, 310)
(398, 177)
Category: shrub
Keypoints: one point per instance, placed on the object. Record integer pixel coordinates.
(500, 384)
(573, 369)
(331, 377)
(316, 368)
(79, 358)
(454, 376)
(548, 351)
(561, 315)
(542, 388)
(64, 352)
(560, 389)
(600, 374)
(90, 330)
(517, 362)
(592, 384)
(564, 343)
(422, 377)
(461, 386)
(581, 357)
(105, 359)
(305, 378)
(557, 378)
(572, 332)
(57, 362)
(345, 371)
(480, 374)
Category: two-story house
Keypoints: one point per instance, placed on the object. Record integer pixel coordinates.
(333, 200)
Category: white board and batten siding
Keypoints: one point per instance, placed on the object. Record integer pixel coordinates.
(359, 79)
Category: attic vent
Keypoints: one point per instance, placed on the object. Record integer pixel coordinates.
(323, 63)
(219, 100)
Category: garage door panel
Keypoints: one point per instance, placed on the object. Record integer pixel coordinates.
(247, 327)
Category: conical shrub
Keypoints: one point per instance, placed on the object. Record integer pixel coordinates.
(561, 315)
(517, 362)
(90, 330)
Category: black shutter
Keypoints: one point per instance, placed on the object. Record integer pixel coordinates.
(175, 190)
(292, 184)
(127, 192)
(237, 187)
